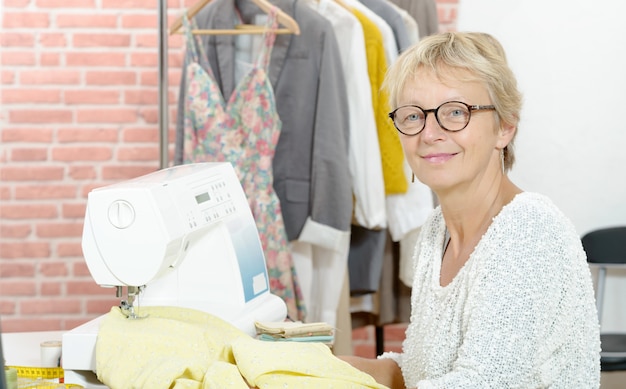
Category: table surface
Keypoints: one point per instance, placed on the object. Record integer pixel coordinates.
(23, 348)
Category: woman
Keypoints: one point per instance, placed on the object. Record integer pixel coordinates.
(502, 294)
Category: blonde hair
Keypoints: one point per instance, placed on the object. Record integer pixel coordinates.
(480, 54)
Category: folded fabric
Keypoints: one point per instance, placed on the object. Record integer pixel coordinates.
(326, 339)
(180, 348)
(278, 365)
(288, 329)
(170, 348)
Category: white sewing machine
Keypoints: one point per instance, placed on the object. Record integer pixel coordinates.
(182, 236)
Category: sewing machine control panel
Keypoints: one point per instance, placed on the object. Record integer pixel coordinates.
(214, 201)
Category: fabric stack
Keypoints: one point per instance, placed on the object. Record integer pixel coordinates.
(295, 331)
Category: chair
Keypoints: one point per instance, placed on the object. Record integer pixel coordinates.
(606, 249)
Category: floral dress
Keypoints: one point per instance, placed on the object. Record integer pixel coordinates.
(243, 131)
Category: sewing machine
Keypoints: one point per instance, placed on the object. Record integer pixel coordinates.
(182, 236)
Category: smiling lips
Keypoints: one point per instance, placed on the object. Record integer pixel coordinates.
(438, 157)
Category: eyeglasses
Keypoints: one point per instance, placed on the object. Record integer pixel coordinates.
(451, 116)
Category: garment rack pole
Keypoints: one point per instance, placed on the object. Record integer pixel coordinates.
(162, 74)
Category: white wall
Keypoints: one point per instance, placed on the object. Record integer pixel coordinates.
(570, 60)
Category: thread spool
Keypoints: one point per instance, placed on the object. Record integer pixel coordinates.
(50, 353)
(11, 378)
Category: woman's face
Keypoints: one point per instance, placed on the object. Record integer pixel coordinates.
(445, 160)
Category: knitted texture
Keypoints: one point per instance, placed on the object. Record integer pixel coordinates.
(519, 314)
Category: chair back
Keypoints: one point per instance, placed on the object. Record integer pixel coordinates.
(606, 245)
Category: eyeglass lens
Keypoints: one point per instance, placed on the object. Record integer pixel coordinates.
(451, 116)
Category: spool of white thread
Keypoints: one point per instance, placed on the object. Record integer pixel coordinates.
(50, 353)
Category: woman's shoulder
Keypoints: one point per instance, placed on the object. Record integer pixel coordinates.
(533, 209)
(533, 219)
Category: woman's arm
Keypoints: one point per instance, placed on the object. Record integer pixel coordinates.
(384, 371)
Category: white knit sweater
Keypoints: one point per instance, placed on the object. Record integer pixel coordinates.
(519, 314)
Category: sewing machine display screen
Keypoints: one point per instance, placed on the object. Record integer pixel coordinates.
(203, 197)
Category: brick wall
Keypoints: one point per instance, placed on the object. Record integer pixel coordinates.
(79, 110)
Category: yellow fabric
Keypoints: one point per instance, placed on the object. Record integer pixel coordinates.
(392, 155)
(181, 348)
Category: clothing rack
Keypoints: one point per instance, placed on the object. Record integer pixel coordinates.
(162, 76)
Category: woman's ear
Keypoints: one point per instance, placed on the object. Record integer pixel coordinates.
(505, 135)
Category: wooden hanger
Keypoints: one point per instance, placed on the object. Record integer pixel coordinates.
(284, 19)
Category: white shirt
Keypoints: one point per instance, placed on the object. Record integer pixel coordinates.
(520, 313)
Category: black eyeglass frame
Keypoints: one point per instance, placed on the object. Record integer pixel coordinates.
(470, 108)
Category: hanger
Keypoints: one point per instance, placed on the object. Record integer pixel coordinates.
(284, 19)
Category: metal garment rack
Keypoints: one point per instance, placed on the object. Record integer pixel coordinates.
(163, 83)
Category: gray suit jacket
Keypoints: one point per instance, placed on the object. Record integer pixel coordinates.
(311, 173)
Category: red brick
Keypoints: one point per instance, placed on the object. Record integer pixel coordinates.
(53, 40)
(30, 324)
(81, 288)
(82, 153)
(361, 333)
(29, 154)
(139, 21)
(43, 192)
(103, 115)
(26, 19)
(57, 230)
(31, 173)
(14, 231)
(30, 135)
(17, 40)
(150, 115)
(394, 332)
(17, 269)
(77, 134)
(17, 288)
(150, 97)
(86, 21)
(96, 59)
(32, 96)
(28, 211)
(147, 40)
(49, 59)
(101, 40)
(73, 211)
(102, 306)
(8, 77)
(82, 172)
(110, 78)
(7, 307)
(138, 153)
(24, 250)
(93, 96)
(51, 288)
(69, 250)
(53, 269)
(40, 116)
(364, 350)
(144, 59)
(129, 4)
(66, 3)
(47, 306)
(18, 58)
(50, 77)
(131, 135)
(80, 269)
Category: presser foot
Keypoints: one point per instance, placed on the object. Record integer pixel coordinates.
(127, 306)
(129, 310)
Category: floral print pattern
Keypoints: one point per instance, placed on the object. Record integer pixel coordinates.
(243, 131)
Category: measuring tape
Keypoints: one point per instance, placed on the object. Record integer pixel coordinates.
(39, 377)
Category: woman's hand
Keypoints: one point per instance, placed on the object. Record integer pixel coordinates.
(384, 371)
